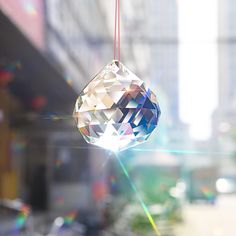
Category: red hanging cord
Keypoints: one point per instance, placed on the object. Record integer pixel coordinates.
(115, 29)
(119, 30)
(117, 25)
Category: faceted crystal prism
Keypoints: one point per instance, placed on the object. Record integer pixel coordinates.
(116, 110)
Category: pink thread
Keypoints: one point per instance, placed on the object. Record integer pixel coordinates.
(116, 3)
(117, 41)
(119, 30)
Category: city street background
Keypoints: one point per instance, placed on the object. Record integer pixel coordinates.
(184, 177)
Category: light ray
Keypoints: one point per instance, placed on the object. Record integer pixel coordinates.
(134, 188)
(106, 161)
(55, 117)
(181, 151)
(171, 151)
(51, 117)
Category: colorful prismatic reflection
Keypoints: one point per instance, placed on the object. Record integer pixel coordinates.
(116, 110)
(208, 193)
(22, 217)
(113, 180)
(69, 219)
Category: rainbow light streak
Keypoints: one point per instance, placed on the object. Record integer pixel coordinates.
(68, 80)
(208, 193)
(105, 161)
(30, 8)
(172, 151)
(20, 221)
(56, 117)
(58, 164)
(179, 151)
(149, 216)
(69, 219)
(22, 217)
(13, 66)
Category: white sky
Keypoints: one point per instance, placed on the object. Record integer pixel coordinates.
(198, 64)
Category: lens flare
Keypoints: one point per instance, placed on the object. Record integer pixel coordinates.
(210, 195)
(22, 217)
(55, 117)
(181, 151)
(69, 219)
(134, 188)
(30, 8)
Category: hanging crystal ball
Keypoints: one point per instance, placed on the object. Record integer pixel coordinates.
(116, 110)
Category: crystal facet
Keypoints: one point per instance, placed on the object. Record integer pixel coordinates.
(116, 110)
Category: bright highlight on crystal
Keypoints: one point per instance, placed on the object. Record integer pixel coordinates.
(116, 110)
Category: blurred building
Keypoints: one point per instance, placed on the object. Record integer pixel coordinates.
(163, 33)
(29, 17)
(75, 40)
(154, 40)
(34, 96)
(151, 32)
(227, 60)
(224, 118)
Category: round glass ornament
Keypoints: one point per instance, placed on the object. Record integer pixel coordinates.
(116, 110)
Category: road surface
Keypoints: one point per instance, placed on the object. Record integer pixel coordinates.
(210, 220)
